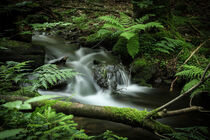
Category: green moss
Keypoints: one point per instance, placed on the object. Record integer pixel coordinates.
(128, 113)
(159, 127)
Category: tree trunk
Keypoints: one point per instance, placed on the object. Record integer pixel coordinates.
(129, 116)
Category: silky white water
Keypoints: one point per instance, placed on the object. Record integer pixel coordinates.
(84, 88)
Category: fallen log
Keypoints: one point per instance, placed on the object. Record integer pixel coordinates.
(129, 116)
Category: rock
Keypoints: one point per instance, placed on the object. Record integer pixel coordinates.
(60, 61)
(21, 51)
(108, 76)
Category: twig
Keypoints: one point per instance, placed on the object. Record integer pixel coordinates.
(172, 83)
(156, 133)
(202, 80)
(164, 114)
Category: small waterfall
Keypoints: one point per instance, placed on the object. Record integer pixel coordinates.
(85, 88)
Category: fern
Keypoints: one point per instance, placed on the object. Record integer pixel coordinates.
(168, 45)
(144, 18)
(13, 74)
(193, 75)
(49, 75)
(126, 28)
(190, 72)
(133, 46)
(189, 133)
(144, 3)
(111, 20)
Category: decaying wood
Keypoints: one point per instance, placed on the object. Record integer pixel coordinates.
(97, 112)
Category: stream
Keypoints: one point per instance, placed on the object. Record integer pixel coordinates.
(101, 74)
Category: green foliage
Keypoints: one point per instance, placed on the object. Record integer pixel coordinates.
(20, 105)
(47, 25)
(133, 46)
(81, 21)
(127, 28)
(193, 74)
(108, 135)
(144, 3)
(11, 74)
(189, 133)
(14, 73)
(10, 133)
(49, 75)
(190, 72)
(43, 123)
(169, 45)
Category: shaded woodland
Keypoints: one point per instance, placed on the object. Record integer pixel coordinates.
(161, 44)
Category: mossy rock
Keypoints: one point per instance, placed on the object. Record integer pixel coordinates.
(143, 71)
(21, 51)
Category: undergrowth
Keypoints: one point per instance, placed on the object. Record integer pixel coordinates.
(43, 123)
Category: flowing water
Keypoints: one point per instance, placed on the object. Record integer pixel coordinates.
(84, 88)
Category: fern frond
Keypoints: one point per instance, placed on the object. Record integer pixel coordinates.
(190, 72)
(128, 35)
(133, 46)
(125, 19)
(112, 26)
(144, 18)
(137, 27)
(112, 20)
(154, 25)
(189, 85)
(49, 75)
(168, 45)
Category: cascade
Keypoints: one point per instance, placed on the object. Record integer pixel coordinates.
(96, 82)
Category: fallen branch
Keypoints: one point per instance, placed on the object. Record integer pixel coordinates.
(129, 116)
(172, 83)
(164, 114)
(202, 80)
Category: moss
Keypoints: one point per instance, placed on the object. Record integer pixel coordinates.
(128, 113)
(159, 127)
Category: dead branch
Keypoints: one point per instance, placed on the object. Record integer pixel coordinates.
(172, 83)
(202, 80)
(164, 114)
(98, 112)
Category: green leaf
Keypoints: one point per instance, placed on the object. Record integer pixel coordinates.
(133, 46)
(9, 133)
(18, 105)
(41, 98)
(128, 35)
(189, 85)
(12, 105)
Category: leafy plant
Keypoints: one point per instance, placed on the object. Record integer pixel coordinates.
(169, 45)
(43, 123)
(13, 73)
(193, 75)
(43, 77)
(126, 28)
(192, 133)
(49, 75)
